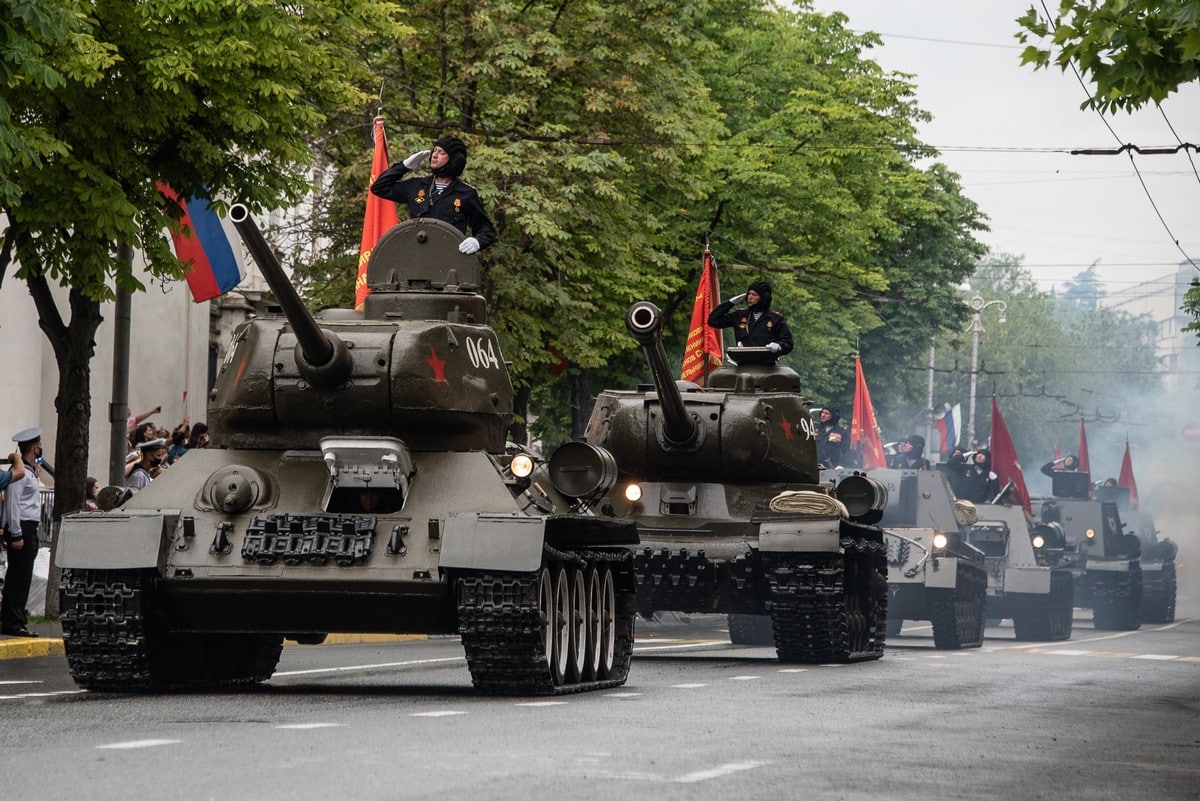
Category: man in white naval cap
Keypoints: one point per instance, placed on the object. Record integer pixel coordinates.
(153, 454)
(23, 513)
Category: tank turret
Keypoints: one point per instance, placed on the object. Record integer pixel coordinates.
(419, 362)
(724, 485)
(751, 423)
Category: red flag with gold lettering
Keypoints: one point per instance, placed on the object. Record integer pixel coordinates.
(864, 430)
(1004, 458)
(703, 353)
(1085, 466)
(380, 215)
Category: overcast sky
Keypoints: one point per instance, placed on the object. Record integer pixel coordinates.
(990, 117)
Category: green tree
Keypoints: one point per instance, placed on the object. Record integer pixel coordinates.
(215, 99)
(1050, 363)
(1135, 51)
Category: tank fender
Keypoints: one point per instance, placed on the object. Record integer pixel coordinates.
(108, 541)
(493, 542)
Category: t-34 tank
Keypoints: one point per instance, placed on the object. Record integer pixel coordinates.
(934, 573)
(1104, 561)
(724, 486)
(357, 480)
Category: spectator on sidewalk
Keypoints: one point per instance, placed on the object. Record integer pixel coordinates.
(23, 515)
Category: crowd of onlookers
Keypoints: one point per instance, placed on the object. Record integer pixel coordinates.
(150, 450)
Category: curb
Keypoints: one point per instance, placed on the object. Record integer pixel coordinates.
(26, 647)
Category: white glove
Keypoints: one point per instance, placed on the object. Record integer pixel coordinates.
(736, 299)
(469, 245)
(774, 347)
(415, 161)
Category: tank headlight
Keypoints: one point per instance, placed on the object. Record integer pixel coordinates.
(633, 492)
(1039, 541)
(1090, 533)
(940, 540)
(521, 465)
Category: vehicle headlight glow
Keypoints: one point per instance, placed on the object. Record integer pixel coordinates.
(633, 492)
(1090, 533)
(1039, 541)
(521, 465)
(940, 540)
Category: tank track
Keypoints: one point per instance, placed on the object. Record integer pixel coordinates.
(1158, 595)
(829, 607)
(1116, 599)
(116, 642)
(501, 628)
(1046, 618)
(958, 614)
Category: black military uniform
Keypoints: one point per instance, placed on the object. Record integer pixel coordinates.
(456, 203)
(757, 326)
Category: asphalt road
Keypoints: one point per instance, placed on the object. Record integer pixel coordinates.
(1104, 716)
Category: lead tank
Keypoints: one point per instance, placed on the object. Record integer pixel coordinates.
(724, 486)
(357, 480)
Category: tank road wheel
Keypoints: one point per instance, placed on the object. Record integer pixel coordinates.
(550, 632)
(957, 614)
(1116, 599)
(578, 625)
(750, 629)
(1046, 618)
(608, 624)
(592, 619)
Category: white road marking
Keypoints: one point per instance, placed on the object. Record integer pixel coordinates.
(347, 668)
(744, 678)
(1161, 657)
(39, 695)
(302, 726)
(21, 681)
(793, 670)
(541, 703)
(137, 744)
(717, 772)
(1097, 638)
(622, 695)
(699, 644)
(1068, 652)
(440, 714)
(688, 686)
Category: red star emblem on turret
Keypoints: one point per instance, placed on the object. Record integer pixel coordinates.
(438, 365)
(785, 425)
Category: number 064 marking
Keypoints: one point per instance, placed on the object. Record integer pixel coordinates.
(482, 352)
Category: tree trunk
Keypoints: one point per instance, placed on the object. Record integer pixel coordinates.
(74, 346)
(581, 401)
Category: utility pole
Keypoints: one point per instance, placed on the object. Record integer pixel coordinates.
(978, 304)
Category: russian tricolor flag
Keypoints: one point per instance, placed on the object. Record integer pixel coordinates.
(202, 243)
(945, 422)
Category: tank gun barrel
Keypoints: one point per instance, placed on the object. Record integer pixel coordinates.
(644, 323)
(316, 346)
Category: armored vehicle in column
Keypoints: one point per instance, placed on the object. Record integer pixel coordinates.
(934, 572)
(357, 480)
(1028, 578)
(1104, 560)
(1159, 586)
(724, 486)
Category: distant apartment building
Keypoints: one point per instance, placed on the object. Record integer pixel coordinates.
(1162, 300)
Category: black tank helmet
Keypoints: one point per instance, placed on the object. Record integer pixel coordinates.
(456, 149)
(764, 294)
(918, 444)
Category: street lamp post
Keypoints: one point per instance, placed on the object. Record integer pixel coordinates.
(978, 304)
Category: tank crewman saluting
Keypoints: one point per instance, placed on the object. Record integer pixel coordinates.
(443, 196)
(757, 325)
